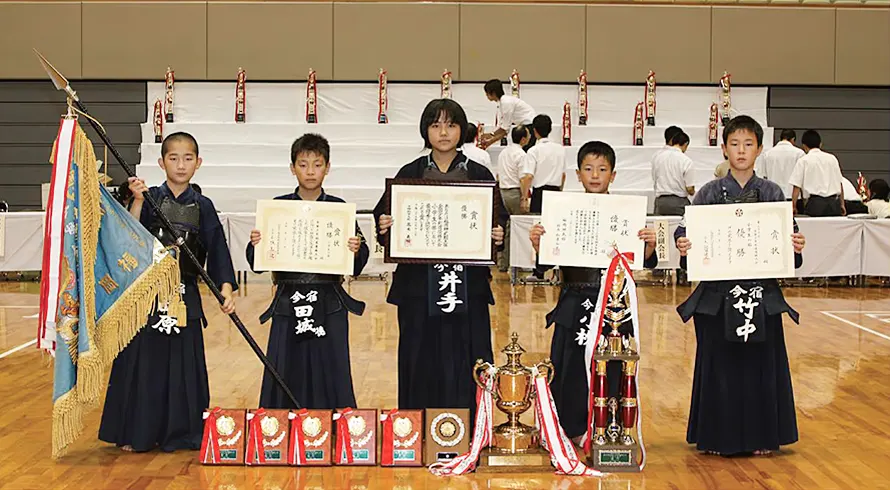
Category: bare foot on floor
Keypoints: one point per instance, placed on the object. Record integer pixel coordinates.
(127, 449)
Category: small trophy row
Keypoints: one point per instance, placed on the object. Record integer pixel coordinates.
(346, 437)
(163, 111)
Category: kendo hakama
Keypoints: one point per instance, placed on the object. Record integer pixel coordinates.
(742, 397)
(158, 389)
(444, 323)
(572, 317)
(309, 338)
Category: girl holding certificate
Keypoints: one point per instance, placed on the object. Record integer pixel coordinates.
(444, 323)
(574, 311)
(742, 400)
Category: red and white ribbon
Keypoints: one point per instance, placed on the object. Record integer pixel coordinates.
(54, 237)
(482, 433)
(553, 438)
(255, 452)
(296, 449)
(210, 441)
(343, 454)
(386, 456)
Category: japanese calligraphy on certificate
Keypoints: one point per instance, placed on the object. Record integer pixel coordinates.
(438, 223)
(305, 236)
(583, 230)
(740, 241)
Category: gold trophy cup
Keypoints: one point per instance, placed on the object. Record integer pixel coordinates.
(515, 447)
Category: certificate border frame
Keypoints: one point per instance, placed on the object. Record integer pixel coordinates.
(495, 207)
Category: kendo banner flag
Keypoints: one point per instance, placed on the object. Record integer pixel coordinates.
(102, 275)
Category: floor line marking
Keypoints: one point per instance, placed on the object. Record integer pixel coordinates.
(860, 327)
(16, 349)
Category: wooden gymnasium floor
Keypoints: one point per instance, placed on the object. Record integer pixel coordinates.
(840, 358)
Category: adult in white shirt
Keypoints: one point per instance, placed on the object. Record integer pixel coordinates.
(852, 200)
(509, 169)
(512, 111)
(472, 151)
(777, 163)
(544, 168)
(818, 175)
(879, 202)
(673, 175)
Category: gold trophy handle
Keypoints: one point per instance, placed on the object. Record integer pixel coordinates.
(547, 366)
(482, 367)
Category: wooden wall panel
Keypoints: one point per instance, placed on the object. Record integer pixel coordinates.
(52, 28)
(272, 41)
(138, 40)
(370, 36)
(763, 45)
(625, 42)
(863, 47)
(543, 42)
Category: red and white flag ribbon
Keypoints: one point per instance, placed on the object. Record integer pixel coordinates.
(255, 452)
(343, 453)
(210, 441)
(296, 450)
(386, 456)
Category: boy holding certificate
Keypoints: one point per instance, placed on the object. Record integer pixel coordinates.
(309, 340)
(158, 387)
(742, 400)
(441, 335)
(579, 294)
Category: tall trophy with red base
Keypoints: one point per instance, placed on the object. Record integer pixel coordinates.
(480, 130)
(168, 95)
(613, 446)
(638, 125)
(712, 125)
(650, 98)
(446, 84)
(567, 124)
(725, 98)
(862, 187)
(311, 98)
(582, 99)
(240, 96)
(382, 97)
(514, 83)
(158, 122)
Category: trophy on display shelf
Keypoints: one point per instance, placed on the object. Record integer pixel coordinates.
(382, 97)
(712, 125)
(480, 130)
(567, 124)
(311, 98)
(515, 447)
(638, 125)
(862, 187)
(158, 122)
(725, 98)
(613, 446)
(240, 96)
(650, 98)
(446, 84)
(168, 95)
(514, 83)
(582, 99)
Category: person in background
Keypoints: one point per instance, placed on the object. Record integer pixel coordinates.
(818, 174)
(543, 168)
(672, 173)
(852, 199)
(510, 163)
(777, 163)
(879, 200)
(512, 111)
(472, 151)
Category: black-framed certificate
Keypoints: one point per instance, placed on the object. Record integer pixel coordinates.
(441, 222)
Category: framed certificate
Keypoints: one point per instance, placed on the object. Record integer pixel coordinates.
(583, 230)
(441, 222)
(740, 241)
(305, 236)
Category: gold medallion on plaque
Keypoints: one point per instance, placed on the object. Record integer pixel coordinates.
(311, 426)
(402, 427)
(225, 425)
(356, 426)
(269, 426)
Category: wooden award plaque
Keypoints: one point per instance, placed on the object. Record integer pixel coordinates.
(362, 427)
(231, 428)
(273, 437)
(406, 437)
(318, 437)
(447, 434)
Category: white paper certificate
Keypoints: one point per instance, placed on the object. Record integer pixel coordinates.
(441, 222)
(740, 241)
(305, 236)
(582, 230)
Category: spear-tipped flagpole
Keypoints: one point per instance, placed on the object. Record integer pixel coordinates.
(62, 84)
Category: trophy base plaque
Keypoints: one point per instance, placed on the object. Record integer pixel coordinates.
(725, 121)
(311, 119)
(169, 118)
(582, 121)
(615, 458)
(529, 461)
(503, 141)
(638, 142)
(712, 142)
(158, 139)
(650, 121)
(382, 119)
(566, 142)
(239, 118)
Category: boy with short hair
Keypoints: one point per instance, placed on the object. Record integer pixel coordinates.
(777, 163)
(742, 399)
(817, 176)
(580, 290)
(673, 174)
(512, 111)
(508, 172)
(544, 167)
(313, 361)
(158, 388)
(472, 151)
